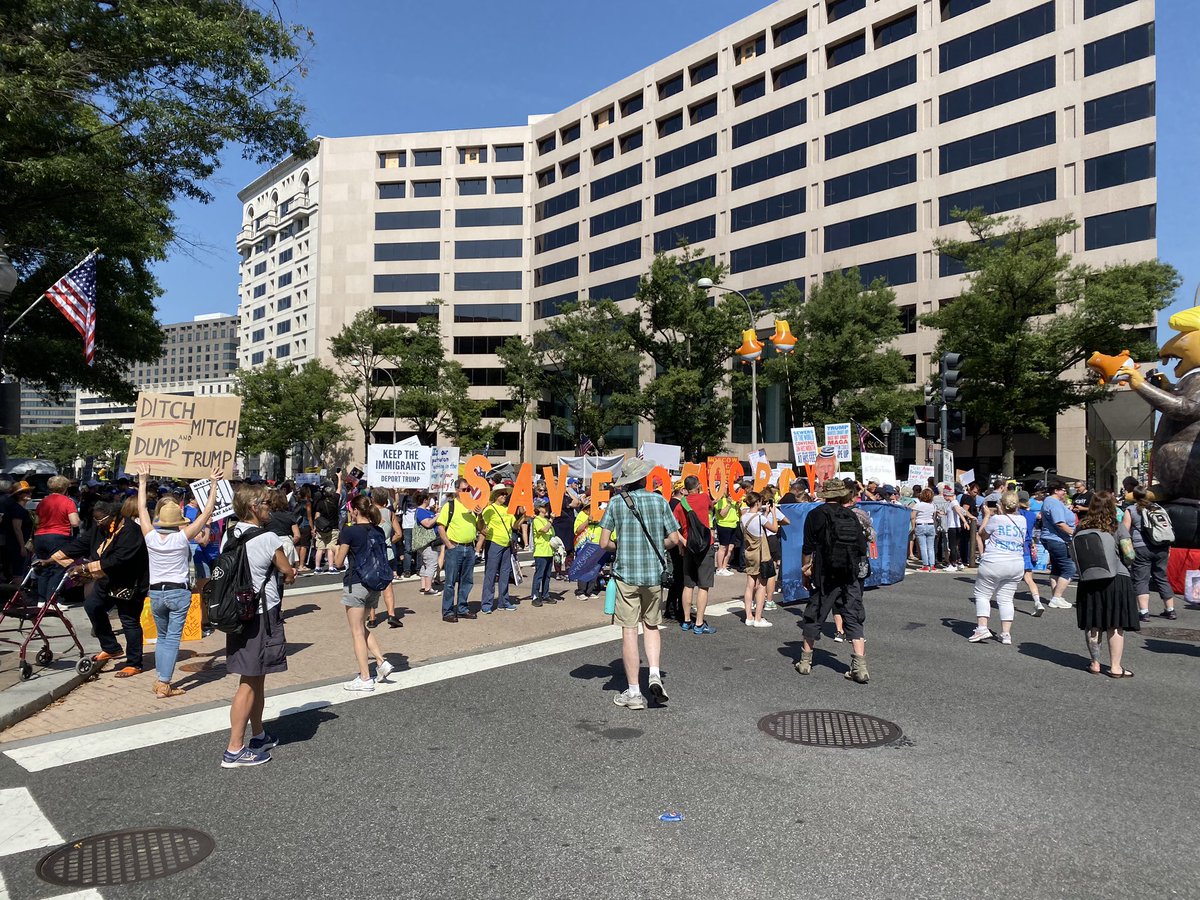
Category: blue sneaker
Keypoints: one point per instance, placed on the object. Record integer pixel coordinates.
(686, 626)
(704, 629)
(245, 757)
(508, 607)
(268, 742)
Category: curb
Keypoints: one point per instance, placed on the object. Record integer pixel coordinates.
(33, 696)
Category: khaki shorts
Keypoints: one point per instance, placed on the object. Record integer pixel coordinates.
(638, 603)
(326, 540)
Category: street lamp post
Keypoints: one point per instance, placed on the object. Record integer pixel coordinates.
(886, 427)
(388, 373)
(707, 284)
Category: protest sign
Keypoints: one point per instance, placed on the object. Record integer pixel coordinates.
(968, 477)
(838, 437)
(879, 467)
(844, 475)
(396, 466)
(443, 469)
(826, 465)
(308, 478)
(919, 475)
(948, 466)
(665, 455)
(804, 445)
(412, 441)
(184, 437)
(224, 507)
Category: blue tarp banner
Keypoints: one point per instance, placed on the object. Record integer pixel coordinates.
(589, 560)
(889, 553)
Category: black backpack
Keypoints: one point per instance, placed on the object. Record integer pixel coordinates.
(844, 546)
(699, 538)
(372, 568)
(327, 511)
(230, 595)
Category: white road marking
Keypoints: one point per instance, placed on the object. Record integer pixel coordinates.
(22, 824)
(54, 752)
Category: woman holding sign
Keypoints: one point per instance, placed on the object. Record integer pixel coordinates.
(168, 544)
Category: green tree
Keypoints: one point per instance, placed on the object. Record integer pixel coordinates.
(842, 367)
(61, 446)
(460, 418)
(690, 342)
(286, 405)
(525, 380)
(360, 350)
(105, 443)
(112, 112)
(1028, 317)
(592, 369)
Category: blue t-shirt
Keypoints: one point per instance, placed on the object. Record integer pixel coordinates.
(1030, 518)
(356, 537)
(1054, 511)
(421, 516)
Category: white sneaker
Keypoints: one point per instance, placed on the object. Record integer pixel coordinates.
(1038, 609)
(1059, 603)
(1005, 638)
(980, 635)
(630, 701)
(762, 623)
(357, 684)
(750, 621)
(383, 670)
(770, 605)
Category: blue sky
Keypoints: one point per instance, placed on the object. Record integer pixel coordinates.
(385, 67)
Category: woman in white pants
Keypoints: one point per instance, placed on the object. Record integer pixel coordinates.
(1001, 567)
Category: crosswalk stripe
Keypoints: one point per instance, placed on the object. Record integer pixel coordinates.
(22, 824)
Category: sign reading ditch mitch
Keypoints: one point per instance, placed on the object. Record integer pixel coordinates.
(184, 437)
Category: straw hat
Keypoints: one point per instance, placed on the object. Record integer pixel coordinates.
(21, 487)
(635, 470)
(170, 516)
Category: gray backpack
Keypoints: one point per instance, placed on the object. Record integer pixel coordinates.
(1095, 554)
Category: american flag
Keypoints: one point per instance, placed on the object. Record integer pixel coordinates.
(585, 445)
(863, 434)
(75, 296)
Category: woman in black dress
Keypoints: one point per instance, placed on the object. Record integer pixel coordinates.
(1106, 606)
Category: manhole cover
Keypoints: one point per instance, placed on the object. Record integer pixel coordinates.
(829, 728)
(124, 857)
(1172, 634)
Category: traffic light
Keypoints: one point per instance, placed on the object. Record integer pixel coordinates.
(928, 425)
(951, 376)
(955, 426)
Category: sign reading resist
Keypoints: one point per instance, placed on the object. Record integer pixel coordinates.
(396, 466)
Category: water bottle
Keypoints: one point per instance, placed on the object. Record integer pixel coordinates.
(610, 598)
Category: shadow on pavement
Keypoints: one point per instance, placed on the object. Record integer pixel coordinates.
(821, 657)
(1157, 645)
(300, 610)
(398, 660)
(614, 672)
(303, 726)
(1054, 655)
(958, 626)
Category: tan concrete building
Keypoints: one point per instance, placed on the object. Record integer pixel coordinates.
(805, 138)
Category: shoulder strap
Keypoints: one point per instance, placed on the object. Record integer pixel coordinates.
(637, 515)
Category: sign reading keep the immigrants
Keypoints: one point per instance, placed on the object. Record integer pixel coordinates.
(398, 466)
(184, 437)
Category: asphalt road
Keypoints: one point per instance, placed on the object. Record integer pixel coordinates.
(1019, 775)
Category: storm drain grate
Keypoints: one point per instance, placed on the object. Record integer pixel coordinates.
(125, 857)
(1172, 634)
(830, 728)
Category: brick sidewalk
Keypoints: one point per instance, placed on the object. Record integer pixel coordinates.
(319, 650)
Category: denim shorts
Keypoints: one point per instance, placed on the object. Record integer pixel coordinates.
(1061, 564)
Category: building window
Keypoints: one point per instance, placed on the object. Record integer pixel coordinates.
(603, 153)
(393, 159)
(874, 131)
(283, 327)
(479, 376)
(705, 109)
(487, 281)
(843, 52)
(427, 188)
(789, 74)
(559, 237)
(685, 195)
(283, 303)
(394, 221)
(1002, 196)
(470, 187)
(1098, 7)
(1119, 108)
(285, 279)
(488, 249)
(256, 359)
(1118, 49)
(260, 291)
(556, 205)
(908, 313)
(551, 306)
(703, 71)
(770, 209)
(768, 253)
(873, 84)
(472, 156)
(283, 350)
(872, 227)
(487, 312)
(896, 30)
(952, 8)
(839, 9)
(669, 87)
(1010, 32)
(487, 218)
(895, 271)
(1122, 167)
(569, 167)
(691, 233)
(260, 268)
(602, 119)
(546, 144)
(631, 141)
(509, 152)
(773, 122)
(684, 156)
(569, 133)
(770, 166)
(871, 180)
(1007, 141)
(1124, 227)
(557, 271)
(427, 157)
(479, 343)
(259, 313)
(997, 90)
(627, 251)
(790, 31)
(750, 90)
(545, 178)
(616, 182)
(508, 184)
(748, 50)
(404, 252)
(405, 284)
(670, 124)
(407, 314)
(285, 255)
(633, 104)
(616, 218)
(257, 335)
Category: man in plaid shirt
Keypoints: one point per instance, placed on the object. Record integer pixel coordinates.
(638, 570)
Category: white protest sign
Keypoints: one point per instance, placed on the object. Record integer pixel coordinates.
(838, 437)
(224, 507)
(967, 477)
(879, 467)
(413, 441)
(804, 445)
(443, 469)
(842, 476)
(756, 457)
(665, 455)
(308, 478)
(948, 466)
(398, 466)
(919, 475)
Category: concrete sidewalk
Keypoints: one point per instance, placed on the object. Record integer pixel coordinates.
(19, 698)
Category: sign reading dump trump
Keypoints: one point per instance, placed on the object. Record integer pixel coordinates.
(399, 466)
(184, 437)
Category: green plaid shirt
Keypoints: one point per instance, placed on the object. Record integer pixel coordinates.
(637, 562)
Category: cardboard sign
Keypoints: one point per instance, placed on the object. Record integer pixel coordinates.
(879, 467)
(184, 437)
(804, 445)
(838, 437)
(224, 507)
(398, 466)
(919, 475)
(665, 455)
(443, 469)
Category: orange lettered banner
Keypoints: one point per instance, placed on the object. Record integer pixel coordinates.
(600, 494)
(522, 494)
(762, 475)
(659, 480)
(478, 490)
(556, 487)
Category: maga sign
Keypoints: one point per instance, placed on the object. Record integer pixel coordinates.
(184, 437)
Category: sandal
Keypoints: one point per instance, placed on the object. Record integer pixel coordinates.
(103, 657)
(129, 672)
(163, 690)
(1125, 673)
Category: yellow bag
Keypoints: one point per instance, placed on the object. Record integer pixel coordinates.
(191, 627)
